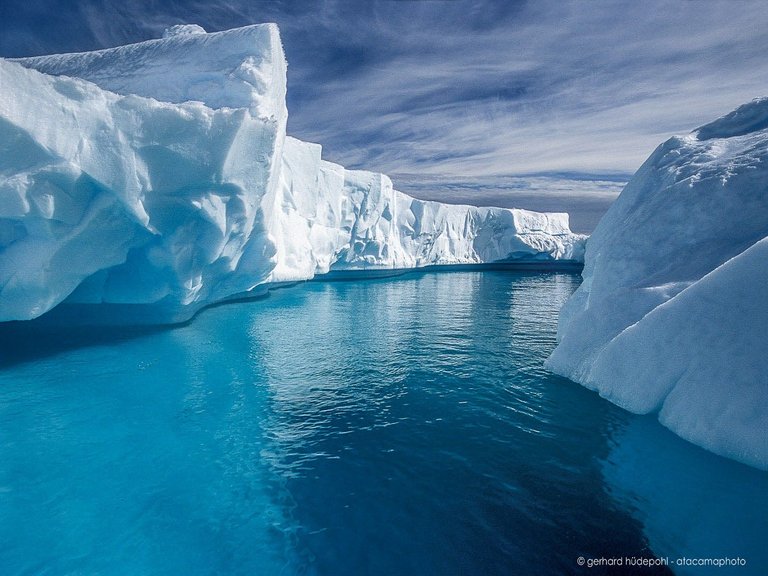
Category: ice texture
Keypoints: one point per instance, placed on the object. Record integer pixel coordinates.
(239, 68)
(157, 178)
(326, 218)
(671, 316)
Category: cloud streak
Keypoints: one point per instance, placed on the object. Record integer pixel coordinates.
(558, 87)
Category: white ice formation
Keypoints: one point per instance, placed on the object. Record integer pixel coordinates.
(672, 314)
(158, 177)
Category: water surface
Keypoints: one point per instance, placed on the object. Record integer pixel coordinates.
(401, 426)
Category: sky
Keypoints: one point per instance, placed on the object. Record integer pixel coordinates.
(462, 100)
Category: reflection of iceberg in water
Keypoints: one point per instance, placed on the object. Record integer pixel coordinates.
(437, 318)
(317, 395)
(691, 503)
(219, 409)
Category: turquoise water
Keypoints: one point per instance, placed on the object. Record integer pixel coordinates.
(400, 426)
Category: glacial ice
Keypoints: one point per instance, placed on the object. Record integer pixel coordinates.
(672, 312)
(157, 178)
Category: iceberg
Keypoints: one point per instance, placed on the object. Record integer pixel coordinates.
(671, 315)
(143, 182)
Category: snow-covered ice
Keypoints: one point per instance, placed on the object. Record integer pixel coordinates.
(158, 177)
(672, 312)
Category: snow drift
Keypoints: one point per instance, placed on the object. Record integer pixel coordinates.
(158, 178)
(672, 312)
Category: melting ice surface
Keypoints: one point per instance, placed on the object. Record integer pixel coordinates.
(385, 427)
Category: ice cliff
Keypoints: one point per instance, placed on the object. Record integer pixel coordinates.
(157, 178)
(671, 317)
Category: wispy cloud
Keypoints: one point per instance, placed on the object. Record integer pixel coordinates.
(554, 86)
(466, 88)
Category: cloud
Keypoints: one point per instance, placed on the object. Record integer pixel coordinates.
(557, 86)
(466, 88)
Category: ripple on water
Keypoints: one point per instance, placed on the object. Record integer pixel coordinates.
(403, 426)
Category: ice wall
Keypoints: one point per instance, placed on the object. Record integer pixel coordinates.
(125, 199)
(327, 218)
(672, 312)
(157, 177)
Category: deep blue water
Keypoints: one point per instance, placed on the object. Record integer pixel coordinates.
(400, 426)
